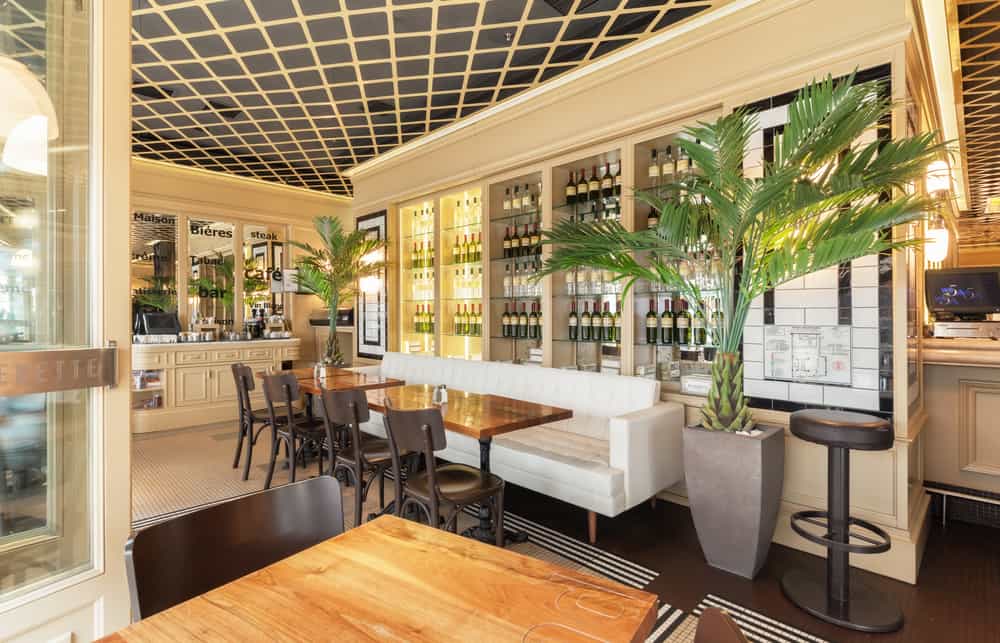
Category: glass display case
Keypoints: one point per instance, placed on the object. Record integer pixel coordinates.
(515, 254)
(586, 302)
(672, 336)
(462, 274)
(419, 278)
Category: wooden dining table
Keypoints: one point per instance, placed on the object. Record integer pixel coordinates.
(479, 415)
(396, 580)
(337, 379)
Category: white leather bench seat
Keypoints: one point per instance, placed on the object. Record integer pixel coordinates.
(621, 446)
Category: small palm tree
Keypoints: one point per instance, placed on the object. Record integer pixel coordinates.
(825, 199)
(333, 270)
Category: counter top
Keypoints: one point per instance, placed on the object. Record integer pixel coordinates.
(961, 351)
(215, 344)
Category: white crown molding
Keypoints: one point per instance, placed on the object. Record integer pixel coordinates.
(570, 82)
(239, 180)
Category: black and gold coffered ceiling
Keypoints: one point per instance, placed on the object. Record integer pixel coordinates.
(297, 91)
(979, 43)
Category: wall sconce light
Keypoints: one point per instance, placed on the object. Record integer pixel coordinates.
(938, 177)
(936, 245)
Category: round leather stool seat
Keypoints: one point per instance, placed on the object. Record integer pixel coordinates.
(842, 429)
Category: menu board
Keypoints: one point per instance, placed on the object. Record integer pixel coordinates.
(818, 354)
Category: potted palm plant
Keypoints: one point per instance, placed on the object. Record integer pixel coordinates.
(332, 271)
(823, 200)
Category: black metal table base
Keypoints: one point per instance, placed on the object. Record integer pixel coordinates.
(865, 610)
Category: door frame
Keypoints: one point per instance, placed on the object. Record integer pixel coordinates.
(96, 602)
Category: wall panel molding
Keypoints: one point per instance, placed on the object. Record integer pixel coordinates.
(978, 431)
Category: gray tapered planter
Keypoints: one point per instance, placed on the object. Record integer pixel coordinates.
(734, 486)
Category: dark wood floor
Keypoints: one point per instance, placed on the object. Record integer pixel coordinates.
(956, 599)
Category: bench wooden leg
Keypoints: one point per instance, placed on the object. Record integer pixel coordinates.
(592, 527)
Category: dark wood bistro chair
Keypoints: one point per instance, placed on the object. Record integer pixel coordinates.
(178, 559)
(243, 375)
(449, 487)
(363, 458)
(296, 432)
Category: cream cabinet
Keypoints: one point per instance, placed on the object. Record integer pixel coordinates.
(182, 385)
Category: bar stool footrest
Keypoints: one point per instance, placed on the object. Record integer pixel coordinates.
(872, 545)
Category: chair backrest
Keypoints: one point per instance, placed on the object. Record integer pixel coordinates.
(243, 375)
(178, 559)
(409, 428)
(281, 389)
(716, 626)
(345, 407)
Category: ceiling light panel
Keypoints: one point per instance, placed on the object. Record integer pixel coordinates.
(298, 91)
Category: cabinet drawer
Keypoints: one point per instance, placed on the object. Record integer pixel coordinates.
(226, 355)
(290, 353)
(192, 357)
(258, 353)
(150, 360)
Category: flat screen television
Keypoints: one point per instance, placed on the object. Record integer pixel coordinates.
(963, 292)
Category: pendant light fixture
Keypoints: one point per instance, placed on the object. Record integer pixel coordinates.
(27, 119)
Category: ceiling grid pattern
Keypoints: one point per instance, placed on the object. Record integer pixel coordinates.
(298, 91)
(979, 42)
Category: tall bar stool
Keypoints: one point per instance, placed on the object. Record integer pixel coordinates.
(838, 599)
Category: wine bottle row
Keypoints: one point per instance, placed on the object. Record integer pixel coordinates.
(467, 282)
(422, 255)
(663, 170)
(520, 202)
(526, 244)
(468, 215)
(422, 284)
(467, 250)
(423, 319)
(592, 281)
(518, 279)
(676, 325)
(468, 323)
(422, 222)
(597, 326)
(580, 189)
(523, 325)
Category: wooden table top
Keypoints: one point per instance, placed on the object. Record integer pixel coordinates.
(393, 579)
(473, 414)
(339, 379)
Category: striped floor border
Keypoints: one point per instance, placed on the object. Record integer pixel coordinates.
(593, 558)
(757, 627)
(668, 620)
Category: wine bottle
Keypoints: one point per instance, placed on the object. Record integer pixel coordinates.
(478, 254)
(651, 323)
(607, 325)
(478, 322)
(585, 322)
(618, 179)
(581, 187)
(533, 323)
(505, 321)
(683, 162)
(515, 244)
(683, 320)
(526, 199)
(506, 201)
(456, 252)
(508, 281)
(717, 319)
(653, 218)
(574, 322)
(414, 257)
(667, 171)
(667, 332)
(698, 330)
(571, 190)
(526, 242)
(457, 320)
(654, 168)
(515, 202)
(617, 317)
(506, 242)
(535, 241)
(593, 185)
(416, 320)
(538, 319)
(607, 182)
(522, 324)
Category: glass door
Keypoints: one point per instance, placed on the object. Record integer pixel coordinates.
(60, 532)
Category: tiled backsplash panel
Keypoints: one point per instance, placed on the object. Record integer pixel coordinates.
(839, 296)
